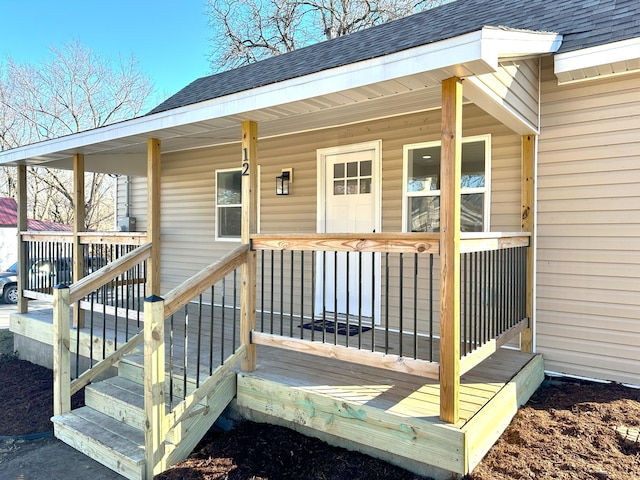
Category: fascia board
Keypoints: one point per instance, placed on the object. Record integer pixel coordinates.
(601, 55)
(508, 43)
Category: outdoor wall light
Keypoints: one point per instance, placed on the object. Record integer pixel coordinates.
(283, 181)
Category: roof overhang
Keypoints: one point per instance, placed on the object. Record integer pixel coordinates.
(402, 82)
(611, 59)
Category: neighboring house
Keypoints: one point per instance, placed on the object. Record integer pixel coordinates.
(547, 95)
(9, 232)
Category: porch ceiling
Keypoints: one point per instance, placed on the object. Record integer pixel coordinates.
(403, 82)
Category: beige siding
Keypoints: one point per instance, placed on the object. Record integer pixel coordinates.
(133, 190)
(516, 84)
(188, 188)
(588, 300)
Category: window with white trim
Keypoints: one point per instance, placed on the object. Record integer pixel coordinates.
(421, 186)
(228, 204)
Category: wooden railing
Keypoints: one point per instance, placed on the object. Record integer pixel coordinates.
(194, 310)
(50, 260)
(493, 292)
(388, 315)
(364, 298)
(64, 296)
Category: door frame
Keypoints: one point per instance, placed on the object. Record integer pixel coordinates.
(376, 190)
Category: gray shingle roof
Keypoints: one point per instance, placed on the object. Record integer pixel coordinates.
(583, 23)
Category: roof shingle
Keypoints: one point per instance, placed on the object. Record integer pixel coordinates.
(583, 23)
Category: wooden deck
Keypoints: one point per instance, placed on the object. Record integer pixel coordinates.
(387, 414)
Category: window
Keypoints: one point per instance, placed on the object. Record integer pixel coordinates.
(421, 209)
(228, 204)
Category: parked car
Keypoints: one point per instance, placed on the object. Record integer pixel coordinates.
(9, 284)
(43, 275)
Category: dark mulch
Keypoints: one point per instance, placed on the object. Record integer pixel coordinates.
(566, 431)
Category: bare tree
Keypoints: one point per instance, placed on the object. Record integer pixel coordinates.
(75, 90)
(245, 31)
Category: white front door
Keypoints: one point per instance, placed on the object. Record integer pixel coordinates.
(348, 203)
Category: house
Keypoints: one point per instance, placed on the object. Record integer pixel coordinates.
(461, 186)
(8, 230)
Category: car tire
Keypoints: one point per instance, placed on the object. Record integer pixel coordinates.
(10, 294)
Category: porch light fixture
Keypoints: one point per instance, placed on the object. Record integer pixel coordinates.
(283, 181)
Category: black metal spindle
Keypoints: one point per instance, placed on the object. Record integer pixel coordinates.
(302, 289)
(324, 296)
(272, 288)
(235, 309)
(335, 298)
(262, 287)
(291, 295)
(347, 295)
(431, 307)
(281, 292)
(373, 301)
(313, 294)
(222, 318)
(401, 303)
(386, 303)
(199, 340)
(415, 305)
(359, 300)
(185, 356)
(211, 328)
(171, 353)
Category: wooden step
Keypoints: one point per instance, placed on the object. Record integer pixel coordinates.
(131, 368)
(119, 398)
(116, 445)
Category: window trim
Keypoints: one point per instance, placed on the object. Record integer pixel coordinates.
(486, 190)
(218, 238)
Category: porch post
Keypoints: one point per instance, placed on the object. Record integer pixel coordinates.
(249, 226)
(528, 225)
(78, 226)
(153, 215)
(23, 305)
(450, 171)
(154, 377)
(61, 351)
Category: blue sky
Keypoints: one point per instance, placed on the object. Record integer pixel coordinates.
(170, 39)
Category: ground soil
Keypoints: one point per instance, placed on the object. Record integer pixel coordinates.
(566, 431)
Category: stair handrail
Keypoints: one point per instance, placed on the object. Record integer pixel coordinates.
(178, 297)
(157, 309)
(65, 296)
(104, 275)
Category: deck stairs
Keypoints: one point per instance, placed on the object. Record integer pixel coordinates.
(110, 427)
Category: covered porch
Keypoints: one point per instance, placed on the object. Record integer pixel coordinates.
(423, 379)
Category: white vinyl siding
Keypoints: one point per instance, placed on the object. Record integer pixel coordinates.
(588, 285)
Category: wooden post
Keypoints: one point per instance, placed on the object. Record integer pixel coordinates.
(249, 226)
(23, 266)
(61, 351)
(154, 375)
(528, 225)
(78, 226)
(450, 171)
(153, 215)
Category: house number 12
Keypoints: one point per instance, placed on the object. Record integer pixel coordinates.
(245, 163)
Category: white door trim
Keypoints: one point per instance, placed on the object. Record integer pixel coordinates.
(376, 187)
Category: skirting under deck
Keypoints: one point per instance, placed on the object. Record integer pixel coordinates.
(390, 415)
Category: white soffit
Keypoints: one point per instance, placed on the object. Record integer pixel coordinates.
(603, 61)
(467, 55)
